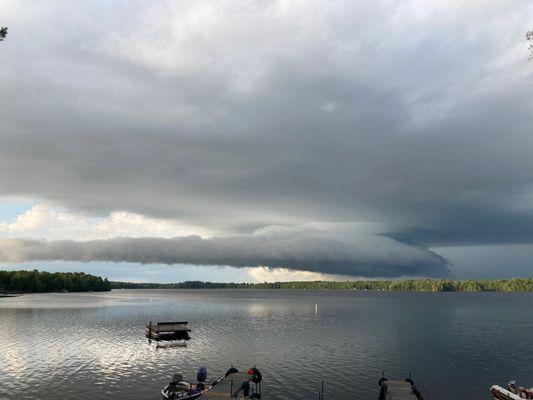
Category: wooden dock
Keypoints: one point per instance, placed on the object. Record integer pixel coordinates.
(230, 388)
(399, 390)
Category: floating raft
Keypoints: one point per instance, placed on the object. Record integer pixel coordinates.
(168, 330)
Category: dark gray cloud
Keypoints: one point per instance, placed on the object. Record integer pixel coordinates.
(237, 116)
(297, 248)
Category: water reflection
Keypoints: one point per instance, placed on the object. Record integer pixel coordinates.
(92, 346)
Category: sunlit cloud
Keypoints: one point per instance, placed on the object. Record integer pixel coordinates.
(266, 274)
(52, 223)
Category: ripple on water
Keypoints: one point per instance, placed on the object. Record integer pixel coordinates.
(92, 346)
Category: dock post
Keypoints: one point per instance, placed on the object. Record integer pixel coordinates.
(322, 398)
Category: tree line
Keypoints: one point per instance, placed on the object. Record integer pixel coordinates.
(431, 285)
(40, 281)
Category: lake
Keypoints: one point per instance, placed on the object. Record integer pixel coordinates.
(92, 345)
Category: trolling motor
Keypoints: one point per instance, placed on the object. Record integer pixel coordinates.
(201, 377)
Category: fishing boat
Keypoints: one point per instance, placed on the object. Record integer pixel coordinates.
(184, 390)
(244, 385)
(180, 390)
(398, 389)
(513, 392)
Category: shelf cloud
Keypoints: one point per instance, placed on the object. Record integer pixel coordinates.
(220, 118)
(301, 248)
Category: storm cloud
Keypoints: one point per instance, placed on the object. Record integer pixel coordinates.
(298, 248)
(234, 116)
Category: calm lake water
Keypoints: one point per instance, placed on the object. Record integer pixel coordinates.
(92, 345)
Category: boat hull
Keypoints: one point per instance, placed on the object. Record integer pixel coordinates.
(499, 393)
(166, 395)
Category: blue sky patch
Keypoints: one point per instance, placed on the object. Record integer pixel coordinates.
(10, 210)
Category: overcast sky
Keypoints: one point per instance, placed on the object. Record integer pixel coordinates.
(252, 140)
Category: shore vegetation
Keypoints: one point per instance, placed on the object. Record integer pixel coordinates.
(41, 281)
(433, 285)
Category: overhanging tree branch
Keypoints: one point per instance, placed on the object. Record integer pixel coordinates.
(529, 38)
(3, 33)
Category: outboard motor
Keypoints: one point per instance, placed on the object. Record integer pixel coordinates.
(202, 374)
(245, 388)
(255, 375)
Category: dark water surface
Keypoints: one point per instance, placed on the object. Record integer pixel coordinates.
(92, 345)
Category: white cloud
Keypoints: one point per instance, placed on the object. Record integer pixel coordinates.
(266, 274)
(306, 248)
(44, 221)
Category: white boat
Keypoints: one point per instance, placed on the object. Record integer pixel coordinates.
(513, 392)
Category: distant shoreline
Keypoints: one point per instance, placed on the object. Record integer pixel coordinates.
(412, 285)
(19, 282)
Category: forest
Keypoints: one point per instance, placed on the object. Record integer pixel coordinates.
(41, 281)
(433, 285)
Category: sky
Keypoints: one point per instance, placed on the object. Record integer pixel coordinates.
(250, 141)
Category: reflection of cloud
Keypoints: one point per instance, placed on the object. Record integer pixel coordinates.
(258, 310)
(6, 364)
